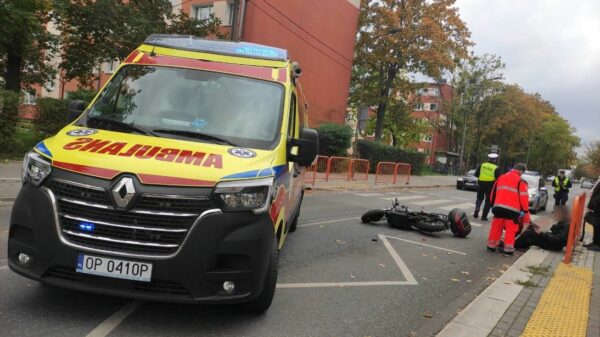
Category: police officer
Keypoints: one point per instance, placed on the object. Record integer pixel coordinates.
(510, 205)
(561, 185)
(487, 174)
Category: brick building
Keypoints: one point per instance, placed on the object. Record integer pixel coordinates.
(431, 104)
(318, 34)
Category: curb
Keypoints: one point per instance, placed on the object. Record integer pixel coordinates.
(480, 317)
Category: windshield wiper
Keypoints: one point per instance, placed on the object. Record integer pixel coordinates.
(194, 134)
(123, 125)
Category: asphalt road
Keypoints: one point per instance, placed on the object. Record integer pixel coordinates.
(337, 277)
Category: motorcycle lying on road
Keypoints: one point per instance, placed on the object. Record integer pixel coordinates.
(401, 217)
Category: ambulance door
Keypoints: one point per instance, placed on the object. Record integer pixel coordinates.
(296, 178)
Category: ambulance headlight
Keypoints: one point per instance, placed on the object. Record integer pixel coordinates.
(244, 195)
(35, 168)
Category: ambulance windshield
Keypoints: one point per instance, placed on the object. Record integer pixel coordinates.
(178, 103)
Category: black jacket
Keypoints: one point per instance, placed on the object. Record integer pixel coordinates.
(594, 204)
(558, 234)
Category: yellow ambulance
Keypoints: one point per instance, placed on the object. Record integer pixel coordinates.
(178, 182)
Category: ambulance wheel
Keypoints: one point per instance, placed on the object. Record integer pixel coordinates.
(294, 224)
(262, 303)
(372, 216)
(459, 223)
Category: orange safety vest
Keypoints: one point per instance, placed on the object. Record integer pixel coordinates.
(510, 194)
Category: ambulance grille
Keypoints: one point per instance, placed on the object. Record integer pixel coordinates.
(157, 225)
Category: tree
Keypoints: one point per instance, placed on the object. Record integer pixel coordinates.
(399, 127)
(592, 154)
(97, 31)
(26, 45)
(476, 79)
(397, 37)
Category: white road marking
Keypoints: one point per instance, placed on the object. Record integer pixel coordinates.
(463, 206)
(410, 279)
(426, 245)
(308, 224)
(431, 202)
(475, 224)
(406, 198)
(11, 179)
(115, 319)
(369, 194)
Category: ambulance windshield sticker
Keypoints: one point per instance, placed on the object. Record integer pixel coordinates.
(242, 153)
(81, 132)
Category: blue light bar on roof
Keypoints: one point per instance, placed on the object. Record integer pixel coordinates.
(192, 43)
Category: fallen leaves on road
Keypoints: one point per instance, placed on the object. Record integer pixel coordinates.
(468, 281)
(340, 242)
(449, 253)
(424, 278)
(352, 276)
(428, 315)
(424, 255)
(382, 265)
(490, 278)
(454, 280)
(464, 272)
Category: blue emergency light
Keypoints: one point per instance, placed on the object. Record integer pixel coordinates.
(86, 226)
(192, 43)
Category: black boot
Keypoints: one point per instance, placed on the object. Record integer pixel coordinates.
(476, 214)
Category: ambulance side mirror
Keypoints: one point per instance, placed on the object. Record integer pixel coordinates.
(304, 150)
(76, 108)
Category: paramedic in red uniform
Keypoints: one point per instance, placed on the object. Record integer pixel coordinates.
(510, 206)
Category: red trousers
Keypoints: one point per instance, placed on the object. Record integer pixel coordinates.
(510, 230)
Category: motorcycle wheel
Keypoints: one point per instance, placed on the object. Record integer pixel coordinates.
(372, 216)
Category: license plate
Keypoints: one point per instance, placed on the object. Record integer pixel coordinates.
(470, 184)
(116, 268)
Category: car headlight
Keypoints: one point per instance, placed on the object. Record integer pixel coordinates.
(35, 169)
(532, 195)
(244, 195)
(459, 179)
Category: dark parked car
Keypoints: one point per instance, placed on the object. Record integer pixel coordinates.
(467, 182)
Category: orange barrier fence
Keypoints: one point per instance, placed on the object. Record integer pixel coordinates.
(318, 170)
(385, 172)
(403, 170)
(576, 225)
(359, 169)
(339, 168)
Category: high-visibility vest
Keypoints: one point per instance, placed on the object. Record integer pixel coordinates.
(556, 182)
(487, 172)
(510, 193)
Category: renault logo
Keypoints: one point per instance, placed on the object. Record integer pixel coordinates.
(123, 192)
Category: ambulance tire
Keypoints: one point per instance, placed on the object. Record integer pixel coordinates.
(459, 223)
(262, 303)
(294, 224)
(373, 215)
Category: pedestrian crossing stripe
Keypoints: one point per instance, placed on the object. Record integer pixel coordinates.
(369, 194)
(413, 197)
(431, 202)
(462, 206)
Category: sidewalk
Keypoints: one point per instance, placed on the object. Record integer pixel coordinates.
(415, 182)
(553, 299)
(10, 180)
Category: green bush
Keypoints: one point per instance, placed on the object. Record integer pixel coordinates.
(376, 152)
(9, 114)
(85, 95)
(334, 139)
(53, 115)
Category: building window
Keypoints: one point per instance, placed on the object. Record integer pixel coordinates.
(229, 13)
(427, 138)
(431, 91)
(203, 12)
(419, 106)
(433, 106)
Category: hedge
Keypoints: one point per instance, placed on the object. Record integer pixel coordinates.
(377, 152)
(9, 115)
(53, 116)
(334, 139)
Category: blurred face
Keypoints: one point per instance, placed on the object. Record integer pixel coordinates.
(561, 214)
(561, 174)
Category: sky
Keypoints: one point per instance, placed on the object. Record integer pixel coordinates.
(549, 46)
